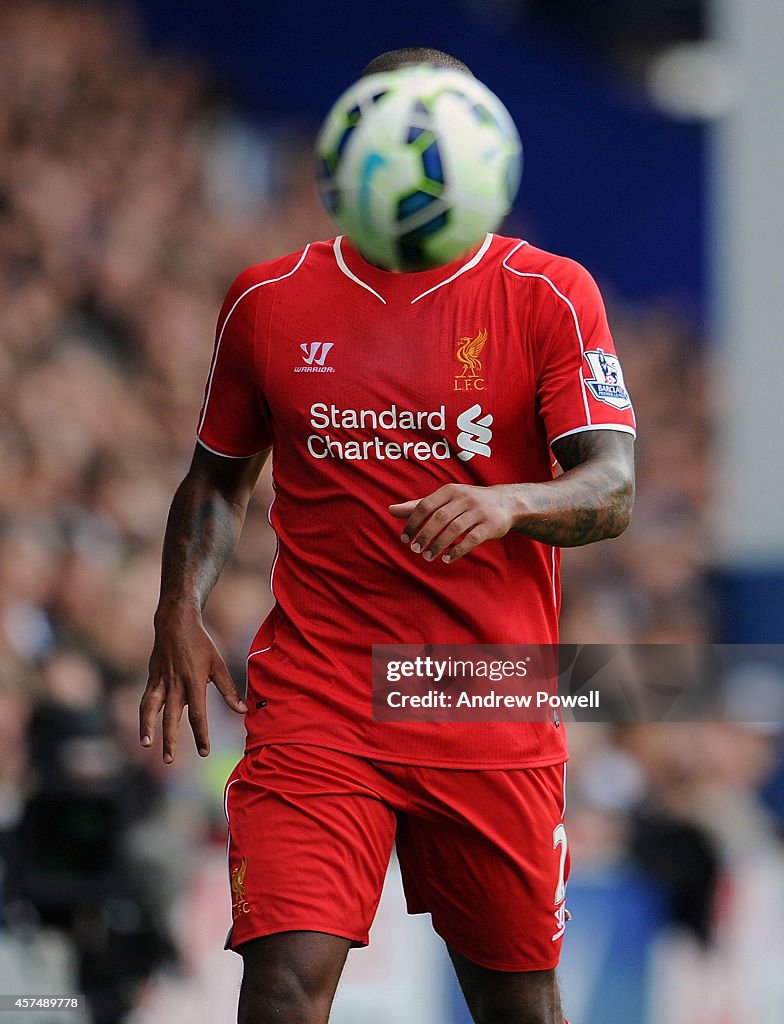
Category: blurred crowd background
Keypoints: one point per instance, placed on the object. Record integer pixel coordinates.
(132, 191)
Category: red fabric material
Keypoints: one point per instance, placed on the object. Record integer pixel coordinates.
(311, 833)
(369, 391)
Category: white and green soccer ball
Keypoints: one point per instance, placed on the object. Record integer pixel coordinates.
(416, 165)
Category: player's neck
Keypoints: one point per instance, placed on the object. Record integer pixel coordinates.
(424, 268)
(386, 282)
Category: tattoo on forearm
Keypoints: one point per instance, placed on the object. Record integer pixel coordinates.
(593, 499)
(567, 523)
(200, 536)
(575, 449)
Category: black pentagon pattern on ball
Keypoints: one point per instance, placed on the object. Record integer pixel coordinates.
(326, 165)
(413, 203)
(326, 168)
(421, 114)
(431, 161)
(353, 117)
(411, 245)
(410, 251)
(325, 179)
(437, 222)
(343, 142)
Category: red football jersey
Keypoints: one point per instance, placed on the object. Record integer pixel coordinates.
(375, 387)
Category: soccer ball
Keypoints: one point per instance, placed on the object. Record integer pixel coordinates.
(416, 165)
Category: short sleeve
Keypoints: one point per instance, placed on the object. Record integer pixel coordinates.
(580, 383)
(234, 419)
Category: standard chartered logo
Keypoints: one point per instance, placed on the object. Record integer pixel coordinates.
(395, 433)
(475, 433)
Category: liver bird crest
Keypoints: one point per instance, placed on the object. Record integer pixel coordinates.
(468, 352)
(238, 879)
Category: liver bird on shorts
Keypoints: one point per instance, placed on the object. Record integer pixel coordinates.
(468, 351)
(238, 879)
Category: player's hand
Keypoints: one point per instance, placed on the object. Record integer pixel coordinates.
(184, 661)
(456, 518)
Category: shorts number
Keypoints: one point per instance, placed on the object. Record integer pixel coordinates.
(559, 839)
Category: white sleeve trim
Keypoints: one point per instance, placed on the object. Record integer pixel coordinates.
(253, 287)
(575, 319)
(624, 428)
(223, 455)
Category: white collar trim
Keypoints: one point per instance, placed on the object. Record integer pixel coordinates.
(475, 259)
(350, 273)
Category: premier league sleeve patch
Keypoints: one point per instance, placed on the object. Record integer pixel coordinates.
(606, 382)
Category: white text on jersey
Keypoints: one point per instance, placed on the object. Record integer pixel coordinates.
(472, 440)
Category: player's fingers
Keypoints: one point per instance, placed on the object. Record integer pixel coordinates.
(172, 714)
(403, 509)
(474, 537)
(221, 677)
(456, 528)
(436, 522)
(422, 511)
(197, 717)
(150, 707)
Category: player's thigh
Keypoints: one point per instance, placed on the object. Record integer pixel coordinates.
(309, 844)
(485, 853)
(290, 977)
(504, 997)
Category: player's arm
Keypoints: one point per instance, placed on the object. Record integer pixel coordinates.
(204, 524)
(592, 500)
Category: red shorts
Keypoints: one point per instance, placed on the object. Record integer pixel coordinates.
(484, 852)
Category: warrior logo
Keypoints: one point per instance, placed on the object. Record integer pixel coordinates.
(467, 354)
(315, 352)
(475, 434)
